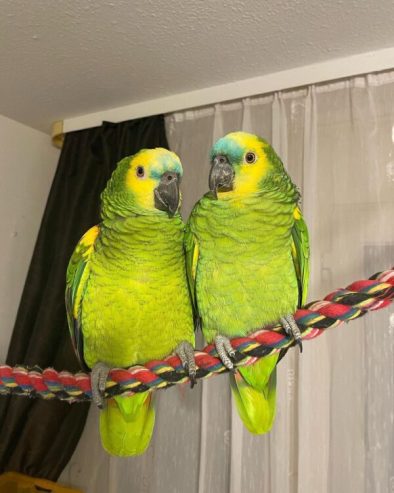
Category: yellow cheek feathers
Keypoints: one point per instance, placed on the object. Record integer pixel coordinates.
(142, 188)
(248, 177)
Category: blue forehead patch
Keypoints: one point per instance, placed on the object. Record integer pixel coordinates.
(165, 162)
(228, 147)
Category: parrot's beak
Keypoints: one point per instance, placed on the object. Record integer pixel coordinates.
(221, 176)
(167, 193)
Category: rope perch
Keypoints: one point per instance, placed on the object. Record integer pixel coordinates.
(337, 307)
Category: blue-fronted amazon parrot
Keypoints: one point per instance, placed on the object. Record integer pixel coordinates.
(247, 254)
(127, 295)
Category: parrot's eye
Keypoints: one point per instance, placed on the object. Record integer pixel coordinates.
(140, 171)
(250, 157)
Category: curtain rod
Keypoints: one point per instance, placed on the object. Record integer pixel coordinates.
(338, 68)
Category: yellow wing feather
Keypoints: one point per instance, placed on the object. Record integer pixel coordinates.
(76, 281)
(300, 252)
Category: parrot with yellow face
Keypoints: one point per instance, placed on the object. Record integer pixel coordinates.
(247, 255)
(127, 295)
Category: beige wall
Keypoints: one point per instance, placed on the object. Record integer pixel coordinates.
(27, 165)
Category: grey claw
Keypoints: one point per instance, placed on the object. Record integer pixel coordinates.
(185, 352)
(292, 329)
(98, 382)
(225, 351)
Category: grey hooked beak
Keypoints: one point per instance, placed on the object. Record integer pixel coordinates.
(167, 193)
(221, 176)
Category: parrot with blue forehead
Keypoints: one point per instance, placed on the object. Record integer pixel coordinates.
(127, 295)
(247, 255)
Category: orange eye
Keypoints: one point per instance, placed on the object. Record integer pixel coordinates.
(250, 157)
(140, 172)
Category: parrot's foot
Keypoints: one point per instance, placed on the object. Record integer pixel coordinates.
(225, 351)
(98, 380)
(185, 352)
(292, 329)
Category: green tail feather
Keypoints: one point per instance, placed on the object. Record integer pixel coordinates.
(254, 390)
(126, 424)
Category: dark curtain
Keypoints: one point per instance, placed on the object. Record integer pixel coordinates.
(38, 437)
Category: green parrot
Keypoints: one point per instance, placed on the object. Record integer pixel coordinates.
(127, 296)
(247, 256)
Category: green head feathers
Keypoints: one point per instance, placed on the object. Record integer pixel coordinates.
(145, 183)
(244, 164)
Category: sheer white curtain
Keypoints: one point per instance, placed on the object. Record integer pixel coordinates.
(334, 430)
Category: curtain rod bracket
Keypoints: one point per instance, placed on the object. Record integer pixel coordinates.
(57, 134)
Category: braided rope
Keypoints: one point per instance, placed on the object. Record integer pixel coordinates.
(339, 306)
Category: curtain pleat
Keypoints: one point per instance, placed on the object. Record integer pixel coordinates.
(38, 437)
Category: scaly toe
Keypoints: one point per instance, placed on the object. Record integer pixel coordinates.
(292, 329)
(225, 351)
(185, 352)
(99, 376)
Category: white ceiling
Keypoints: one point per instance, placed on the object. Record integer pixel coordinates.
(64, 58)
